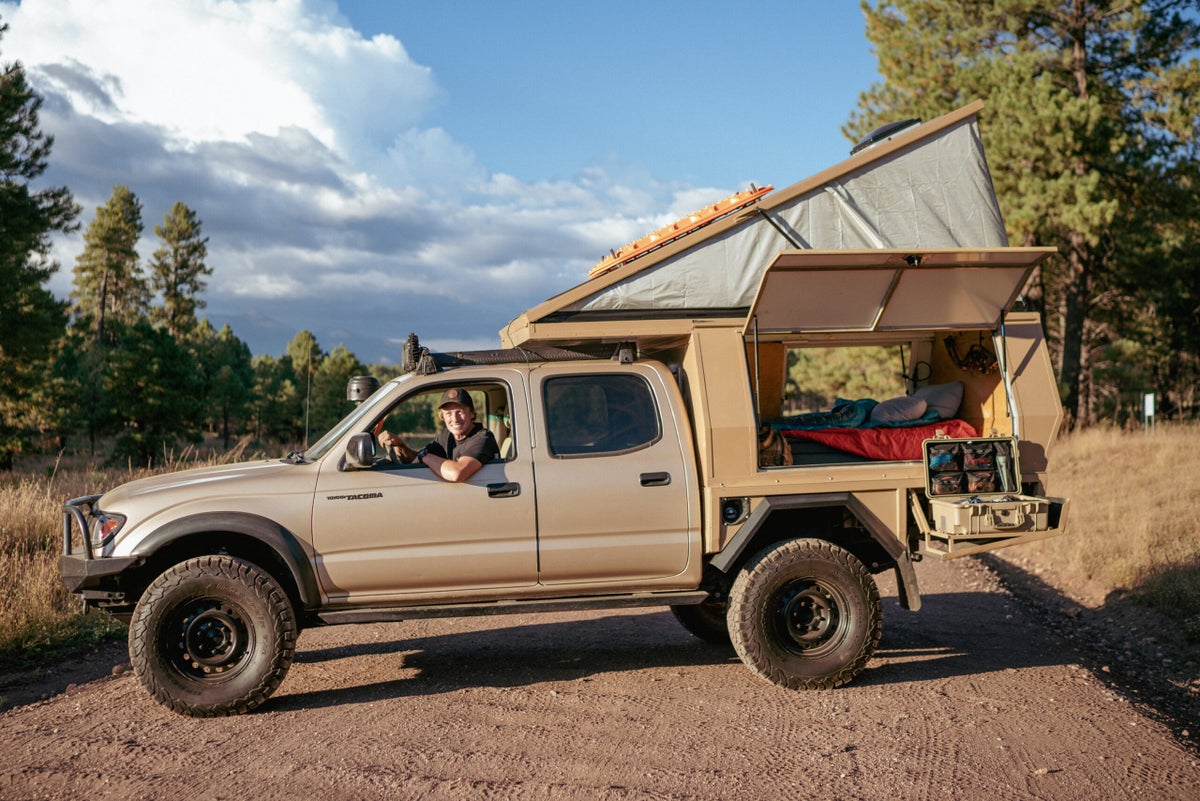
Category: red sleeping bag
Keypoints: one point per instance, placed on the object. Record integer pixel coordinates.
(884, 444)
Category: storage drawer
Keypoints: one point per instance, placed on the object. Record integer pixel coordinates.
(1005, 514)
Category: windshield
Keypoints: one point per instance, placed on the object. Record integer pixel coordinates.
(366, 410)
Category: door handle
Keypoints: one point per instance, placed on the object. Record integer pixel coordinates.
(655, 479)
(509, 490)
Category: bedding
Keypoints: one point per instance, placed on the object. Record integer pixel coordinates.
(859, 414)
(883, 444)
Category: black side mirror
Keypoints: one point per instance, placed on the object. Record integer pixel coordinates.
(360, 451)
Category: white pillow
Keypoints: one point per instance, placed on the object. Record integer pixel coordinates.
(898, 410)
(945, 398)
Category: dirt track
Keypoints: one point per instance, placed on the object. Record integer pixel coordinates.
(973, 697)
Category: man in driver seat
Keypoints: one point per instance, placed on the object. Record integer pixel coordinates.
(460, 449)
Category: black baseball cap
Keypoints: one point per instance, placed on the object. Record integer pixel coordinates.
(457, 395)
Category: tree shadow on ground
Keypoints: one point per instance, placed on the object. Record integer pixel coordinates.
(1148, 658)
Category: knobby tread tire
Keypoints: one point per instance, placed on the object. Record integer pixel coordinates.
(264, 609)
(754, 614)
(705, 621)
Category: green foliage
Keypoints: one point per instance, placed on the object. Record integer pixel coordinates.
(30, 317)
(417, 415)
(109, 284)
(177, 269)
(819, 376)
(329, 404)
(1090, 126)
(226, 376)
(277, 404)
(77, 388)
(152, 393)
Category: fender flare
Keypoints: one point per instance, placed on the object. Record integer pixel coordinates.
(906, 576)
(285, 544)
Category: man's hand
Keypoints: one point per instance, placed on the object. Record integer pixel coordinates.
(396, 442)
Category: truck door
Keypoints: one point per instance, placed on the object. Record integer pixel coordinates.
(396, 531)
(614, 479)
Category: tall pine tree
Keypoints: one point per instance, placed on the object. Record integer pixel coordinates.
(178, 270)
(30, 317)
(1090, 127)
(109, 284)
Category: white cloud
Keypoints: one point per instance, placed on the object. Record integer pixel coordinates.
(304, 148)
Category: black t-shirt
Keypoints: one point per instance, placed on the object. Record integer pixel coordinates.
(479, 444)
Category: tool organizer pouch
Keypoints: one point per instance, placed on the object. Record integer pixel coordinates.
(971, 466)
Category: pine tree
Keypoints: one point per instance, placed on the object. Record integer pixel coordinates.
(109, 284)
(329, 404)
(30, 317)
(177, 269)
(227, 378)
(303, 357)
(275, 400)
(1090, 127)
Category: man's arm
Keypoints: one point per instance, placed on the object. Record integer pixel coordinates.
(453, 470)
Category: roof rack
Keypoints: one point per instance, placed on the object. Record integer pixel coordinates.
(419, 359)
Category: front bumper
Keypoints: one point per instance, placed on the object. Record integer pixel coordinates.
(94, 578)
(82, 571)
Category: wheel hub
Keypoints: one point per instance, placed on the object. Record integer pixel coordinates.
(213, 640)
(807, 614)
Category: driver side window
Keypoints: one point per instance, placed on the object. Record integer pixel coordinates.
(416, 419)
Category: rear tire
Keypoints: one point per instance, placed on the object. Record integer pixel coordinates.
(805, 614)
(212, 636)
(705, 620)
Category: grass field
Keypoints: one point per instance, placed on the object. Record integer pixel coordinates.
(1134, 521)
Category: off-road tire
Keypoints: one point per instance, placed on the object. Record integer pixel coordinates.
(705, 620)
(212, 636)
(805, 614)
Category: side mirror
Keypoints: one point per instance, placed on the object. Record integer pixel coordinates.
(360, 451)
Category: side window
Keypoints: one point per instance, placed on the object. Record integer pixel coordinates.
(416, 417)
(590, 415)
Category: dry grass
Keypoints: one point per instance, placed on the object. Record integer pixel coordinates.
(1134, 521)
(38, 614)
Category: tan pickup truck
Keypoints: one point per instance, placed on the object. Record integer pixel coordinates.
(650, 452)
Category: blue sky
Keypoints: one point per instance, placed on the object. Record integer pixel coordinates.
(366, 169)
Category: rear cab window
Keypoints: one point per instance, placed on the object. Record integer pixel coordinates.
(597, 415)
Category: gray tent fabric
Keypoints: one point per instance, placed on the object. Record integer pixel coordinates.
(935, 194)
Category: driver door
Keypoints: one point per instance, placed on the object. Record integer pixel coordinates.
(397, 532)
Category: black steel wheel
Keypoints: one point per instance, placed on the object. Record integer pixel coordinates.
(705, 620)
(805, 614)
(212, 636)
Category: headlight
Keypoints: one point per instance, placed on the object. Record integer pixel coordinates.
(104, 526)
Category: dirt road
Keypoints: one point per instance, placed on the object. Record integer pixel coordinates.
(970, 698)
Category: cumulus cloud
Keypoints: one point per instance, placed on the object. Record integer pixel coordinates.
(329, 200)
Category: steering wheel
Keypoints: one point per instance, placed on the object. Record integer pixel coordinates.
(389, 453)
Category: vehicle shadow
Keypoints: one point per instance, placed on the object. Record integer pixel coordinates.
(508, 655)
(955, 634)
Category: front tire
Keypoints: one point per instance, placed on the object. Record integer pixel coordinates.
(212, 636)
(805, 614)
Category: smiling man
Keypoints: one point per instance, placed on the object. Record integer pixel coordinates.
(460, 449)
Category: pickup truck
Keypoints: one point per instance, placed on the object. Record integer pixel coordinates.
(631, 470)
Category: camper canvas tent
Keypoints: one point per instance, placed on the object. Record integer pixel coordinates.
(926, 188)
